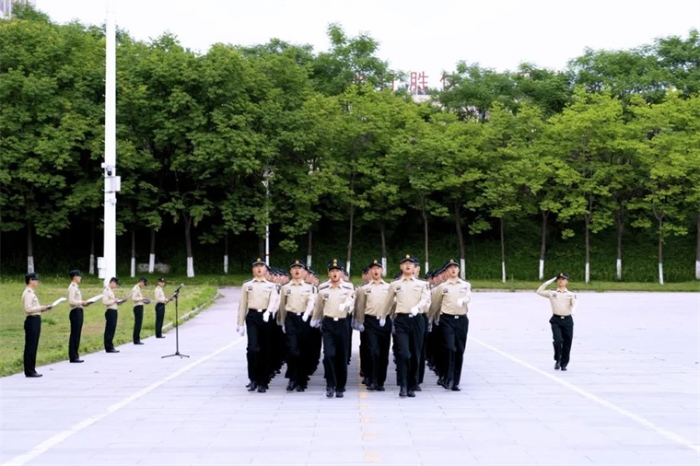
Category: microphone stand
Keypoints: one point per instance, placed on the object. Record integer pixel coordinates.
(177, 326)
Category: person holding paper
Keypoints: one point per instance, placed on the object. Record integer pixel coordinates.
(139, 301)
(563, 304)
(32, 324)
(111, 302)
(76, 303)
(161, 301)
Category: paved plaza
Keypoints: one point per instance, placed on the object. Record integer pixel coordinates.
(631, 397)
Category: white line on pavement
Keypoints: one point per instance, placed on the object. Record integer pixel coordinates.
(646, 423)
(43, 447)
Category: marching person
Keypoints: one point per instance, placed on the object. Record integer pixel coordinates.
(297, 302)
(161, 301)
(32, 324)
(259, 302)
(139, 301)
(412, 298)
(449, 307)
(76, 304)
(370, 313)
(563, 304)
(333, 305)
(111, 303)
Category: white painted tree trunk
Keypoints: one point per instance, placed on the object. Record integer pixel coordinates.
(427, 267)
(383, 266)
(541, 269)
(133, 266)
(92, 264)
(190, 267)
(30, 264)
(348, 269)
(661, 273)
(618, 269)
(225, 264)
(588, 272)
(697, 270)
(462, 269)
(503, 271)
(151, 263)
(308, 260)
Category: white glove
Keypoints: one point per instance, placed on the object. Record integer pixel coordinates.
(305, 317)
(430, 326)
(382, 322)
(360, 328)
(437, 321)
(342, 307)
(315, 323)
(460, 302)
(414, 310)
(240, 329)
(284, 330)
(552, 280)
(266, 316)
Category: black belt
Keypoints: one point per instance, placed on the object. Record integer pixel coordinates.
(256, 310)
(376, 317)
(561, 317)
(35, 315)
(452, 316)
(334, 319)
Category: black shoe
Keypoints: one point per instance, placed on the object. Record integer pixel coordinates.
(34, 375)
(112, 350)
(380, 388)
(77, 360)
(557, 366)
(365, 381)
(362, 373)
(300, 388)
(339, 394)
(330, 392)
(262, 388)
(563, 368)
(162, 336)
(411, 393)
(138, 343)
(291, 386)
(441, 381)
(455, 388)
(403, 392)
(371, 387)
(446, 384)
(252, 387)
(418, 389)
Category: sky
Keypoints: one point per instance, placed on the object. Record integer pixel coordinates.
(414, 36)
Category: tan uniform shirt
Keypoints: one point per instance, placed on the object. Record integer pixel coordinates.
(408, 293)
(297, 298)
(75, 299)
(445, 297)
(563, 302)
(159, 295)
(257, 294)
(137, 296)
(370, 300)
(108, 298)
(331, 297)
(30, 302)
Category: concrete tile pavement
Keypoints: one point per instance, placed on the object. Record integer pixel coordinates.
(634, 354)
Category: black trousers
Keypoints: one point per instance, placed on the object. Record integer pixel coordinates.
(408, 341)
(377, 341)
(315, 344)
(335, 349)
(364, 354)
(258, 350)
(299, 350)
(138, 321)
(563, 336)
(350, 331)
(423, 353)
(76, 328)
(160, 316)
(454, 331)
(110, 328)
(32, 331)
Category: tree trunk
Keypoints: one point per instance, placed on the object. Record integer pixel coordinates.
(152, 253)
(30, 248)
(382, 233)
(460, 237)
(309, 243)
(543, 243)
(424, 212)
(226, 253)
(503, 253)
(133, 253)
(620, 229)
(188, 245)
(587, 221)
(697, 249)
(352, 225)
(91, 269)
(661, 252)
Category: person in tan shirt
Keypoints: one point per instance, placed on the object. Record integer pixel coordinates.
(161, 301)
(412, 298)
(259, 302)
(76, 304)
(563, 304)
(370, 313)
(449, 306)
(32, 324)
(297, 301)
(139, 300)
(334, 304)
(111, 303)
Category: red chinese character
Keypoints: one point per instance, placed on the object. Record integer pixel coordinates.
(418, 83)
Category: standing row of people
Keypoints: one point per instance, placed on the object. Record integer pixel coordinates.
(77, 305)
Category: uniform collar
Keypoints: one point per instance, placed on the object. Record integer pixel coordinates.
(380, 282)
(261, 280)
(299, 283)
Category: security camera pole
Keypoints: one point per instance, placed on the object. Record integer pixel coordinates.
(108, 265)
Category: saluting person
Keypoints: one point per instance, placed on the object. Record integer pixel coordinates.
(563, 304)
(161, 301)
(76, 304)
(32, 324)
(259, 302)
(334, 303)
(449, 305)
